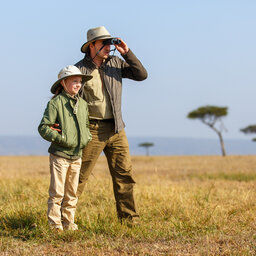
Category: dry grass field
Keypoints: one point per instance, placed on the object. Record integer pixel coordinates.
(188, 205)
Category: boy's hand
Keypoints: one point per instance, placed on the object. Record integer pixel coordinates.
(53, 127)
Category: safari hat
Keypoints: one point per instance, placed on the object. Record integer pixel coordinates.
(67, 72)
(95, 34)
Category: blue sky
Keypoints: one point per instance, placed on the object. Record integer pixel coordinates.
(196, 53)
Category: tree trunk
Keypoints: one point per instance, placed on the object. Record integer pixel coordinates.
(222, 144)
(147, 151)
(221, 140)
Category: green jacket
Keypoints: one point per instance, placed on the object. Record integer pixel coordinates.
(75, 133)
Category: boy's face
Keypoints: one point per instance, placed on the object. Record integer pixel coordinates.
(72, 84)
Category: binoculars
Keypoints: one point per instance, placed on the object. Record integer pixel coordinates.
(111, 41)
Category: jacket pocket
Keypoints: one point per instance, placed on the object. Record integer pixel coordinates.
(68, 141)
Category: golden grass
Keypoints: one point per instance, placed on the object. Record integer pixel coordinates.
(189, 205)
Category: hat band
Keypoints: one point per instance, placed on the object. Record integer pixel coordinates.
(98, 37)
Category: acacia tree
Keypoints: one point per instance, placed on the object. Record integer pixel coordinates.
(249, 129)
(210, 115)
(146, 145)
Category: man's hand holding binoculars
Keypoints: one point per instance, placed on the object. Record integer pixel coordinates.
(122, 47)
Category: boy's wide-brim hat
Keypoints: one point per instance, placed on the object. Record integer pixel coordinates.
(66, 72)
(95, 34)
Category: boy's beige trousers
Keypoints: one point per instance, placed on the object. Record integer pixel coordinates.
(62, 191)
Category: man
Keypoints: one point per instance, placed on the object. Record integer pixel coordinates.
(103, 95)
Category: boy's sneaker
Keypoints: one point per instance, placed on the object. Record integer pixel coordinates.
(70, 226)
(56, 228)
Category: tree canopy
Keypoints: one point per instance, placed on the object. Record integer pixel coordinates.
(208, 114)
(249, 129)
(146, 145)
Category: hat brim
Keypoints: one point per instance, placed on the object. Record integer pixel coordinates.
(85, 45)
(54, 87)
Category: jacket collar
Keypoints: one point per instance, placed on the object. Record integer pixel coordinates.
(68, 96)
(91, 65)
(73, 101)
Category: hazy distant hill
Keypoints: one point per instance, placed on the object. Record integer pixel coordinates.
(192, 146)
(35, 145)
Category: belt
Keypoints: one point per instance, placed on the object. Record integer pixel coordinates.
(111, 120)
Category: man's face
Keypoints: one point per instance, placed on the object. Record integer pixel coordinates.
(94, 48)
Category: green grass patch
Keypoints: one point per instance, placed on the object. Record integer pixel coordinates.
(245, 177)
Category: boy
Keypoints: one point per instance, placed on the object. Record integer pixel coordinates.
(71, 113)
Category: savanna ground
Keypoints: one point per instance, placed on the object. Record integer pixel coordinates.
(189, 205)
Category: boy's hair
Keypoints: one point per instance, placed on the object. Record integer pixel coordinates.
(57, 92)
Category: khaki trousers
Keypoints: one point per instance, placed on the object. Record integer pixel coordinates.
(116, 150)
(62, 191)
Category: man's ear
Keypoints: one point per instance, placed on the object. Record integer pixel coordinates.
(91, 45)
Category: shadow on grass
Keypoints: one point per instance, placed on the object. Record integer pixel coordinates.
(21, 224)
(32, 225)
(18, 222)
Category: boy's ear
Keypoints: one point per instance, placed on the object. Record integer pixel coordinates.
(62, 82)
